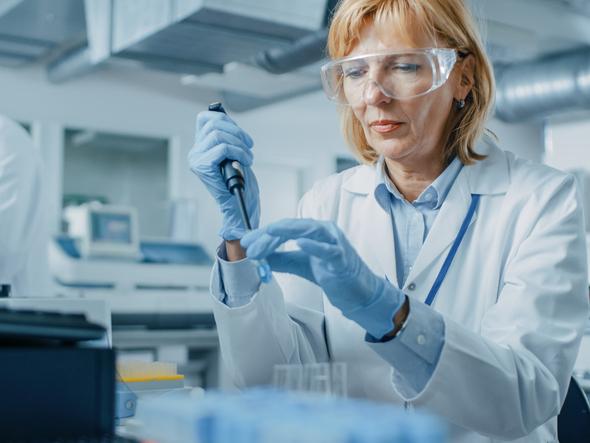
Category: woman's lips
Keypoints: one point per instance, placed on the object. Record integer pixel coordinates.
(385, 126)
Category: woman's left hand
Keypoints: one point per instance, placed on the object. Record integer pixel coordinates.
(327, 259)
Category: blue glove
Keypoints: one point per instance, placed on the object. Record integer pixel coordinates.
(327, 259)
(219, 138)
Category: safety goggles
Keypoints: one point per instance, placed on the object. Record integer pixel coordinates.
(398, 74)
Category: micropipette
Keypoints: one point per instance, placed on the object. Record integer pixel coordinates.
(231, 172)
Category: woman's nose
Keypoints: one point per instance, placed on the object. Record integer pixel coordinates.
(374, 94)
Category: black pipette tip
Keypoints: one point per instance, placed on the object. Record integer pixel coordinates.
(217, 107)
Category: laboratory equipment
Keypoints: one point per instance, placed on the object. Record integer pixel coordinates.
(165, 286)
(156, 283)
(104, 230)
(24, 325)
(269, 416)
(137, 380)
(125, 402)
(320, 378)
(234, 180)
(573, 425)
(156, 375)
(52, 388)
(158, 299)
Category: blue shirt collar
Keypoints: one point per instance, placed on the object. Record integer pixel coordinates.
(433, 196)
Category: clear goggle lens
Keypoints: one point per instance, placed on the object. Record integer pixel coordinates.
(399, 75)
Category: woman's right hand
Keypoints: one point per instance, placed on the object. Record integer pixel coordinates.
(218, 138)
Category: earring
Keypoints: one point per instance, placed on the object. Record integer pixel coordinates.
(459, 104)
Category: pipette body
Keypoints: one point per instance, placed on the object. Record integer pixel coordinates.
(231, 172)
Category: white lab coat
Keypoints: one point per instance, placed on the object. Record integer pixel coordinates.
(23, 229)
(515, 300)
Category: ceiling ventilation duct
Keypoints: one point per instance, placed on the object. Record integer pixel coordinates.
(553, 84)
(303, 52)
(189, 36)
(33, 29)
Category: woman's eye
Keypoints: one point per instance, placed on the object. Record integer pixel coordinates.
(354, 73)
(404, 68)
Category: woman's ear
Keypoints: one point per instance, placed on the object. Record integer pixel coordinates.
(466, 77)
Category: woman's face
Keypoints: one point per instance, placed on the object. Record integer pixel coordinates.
(408, 131)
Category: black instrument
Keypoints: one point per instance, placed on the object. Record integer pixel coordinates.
(19, 326)
(232, 174)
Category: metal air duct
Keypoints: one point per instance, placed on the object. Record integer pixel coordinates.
(552, 84)
(302, 52)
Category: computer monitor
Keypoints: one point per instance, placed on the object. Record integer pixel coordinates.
(104, 230)
(109, 227)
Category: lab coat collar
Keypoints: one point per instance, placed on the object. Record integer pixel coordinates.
(491, 175)
(438, 189)
(486, 177)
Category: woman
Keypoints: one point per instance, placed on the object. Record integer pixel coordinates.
(446, 272)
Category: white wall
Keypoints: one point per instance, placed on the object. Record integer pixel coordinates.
(299, 138)
(568, 144)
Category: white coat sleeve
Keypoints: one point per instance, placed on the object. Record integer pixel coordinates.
(513, 376)
(18, 198)
(282, 324)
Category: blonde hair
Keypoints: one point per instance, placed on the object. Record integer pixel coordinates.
(448, 21)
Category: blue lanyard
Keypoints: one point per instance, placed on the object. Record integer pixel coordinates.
(447, 264)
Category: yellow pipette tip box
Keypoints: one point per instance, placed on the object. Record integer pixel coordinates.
(145, 372)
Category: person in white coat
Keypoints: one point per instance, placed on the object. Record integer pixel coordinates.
(23, 230)
(447, 273)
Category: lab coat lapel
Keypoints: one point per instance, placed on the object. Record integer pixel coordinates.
(445, 228)
(487, 177)
(368, 225)
(380, 242)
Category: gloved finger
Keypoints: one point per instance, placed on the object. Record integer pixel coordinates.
(223, 127)
(321, 250)
(214, 156)
(215, 138)
(295, 228)
(251, 237)
(291, 262)
(208, 161)
(204, 117)
(263, 246)
(221, 118)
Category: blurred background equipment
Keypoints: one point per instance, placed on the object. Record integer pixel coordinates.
(153, 283)
(104, 231)
(268, 416)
